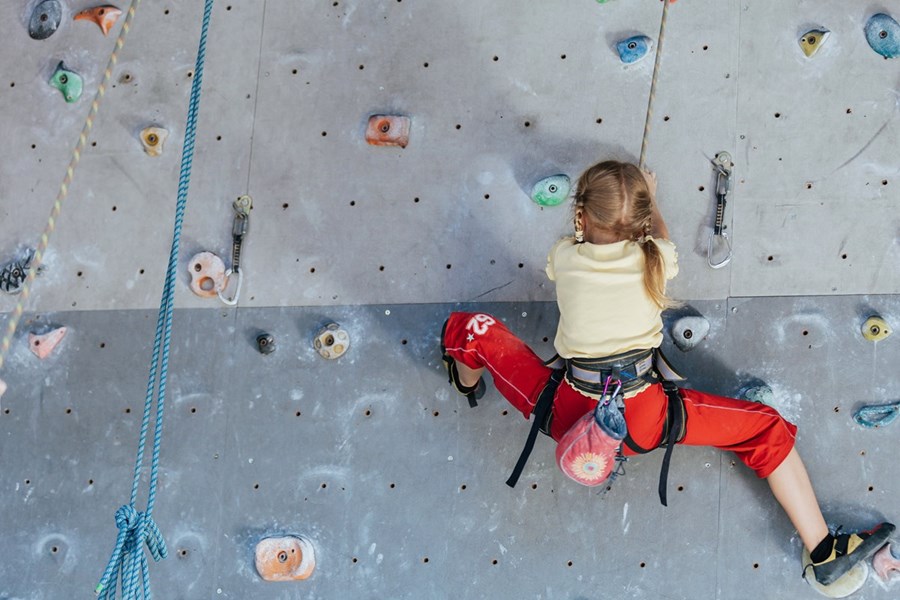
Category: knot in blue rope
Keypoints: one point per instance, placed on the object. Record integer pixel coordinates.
(135, 529)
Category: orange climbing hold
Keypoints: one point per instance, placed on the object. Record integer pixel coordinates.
(207, 274)
(104, 16)
(42, 345)
(288, 558)
(388, 130)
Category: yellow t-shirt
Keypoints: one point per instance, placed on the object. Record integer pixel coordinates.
(603, 307)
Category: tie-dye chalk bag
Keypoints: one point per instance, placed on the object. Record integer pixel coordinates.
(587, 452)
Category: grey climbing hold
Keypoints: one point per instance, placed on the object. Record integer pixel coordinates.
(45, 19)
(265, 343)
(877, 415)
(883, 35)
(634, 48)
(551, 191)
(687, 332)
(13, 273)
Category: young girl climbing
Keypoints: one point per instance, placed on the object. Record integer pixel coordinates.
(611, 291)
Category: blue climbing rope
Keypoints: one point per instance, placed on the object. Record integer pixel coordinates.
(128, 562)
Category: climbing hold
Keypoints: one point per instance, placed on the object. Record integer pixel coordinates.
(885, 562)
(265, 343)
(877, 415)
(883, 34)
(13, 273)
(332, 341)
(634, 48)
(288, 558)
(551, 191)
(388, 130)
(847, 584)
(104, 16)
(760, 393)
(812, 40)
(153, 139)
(45, 19)
(2, 388)
(42, 345)
(875, 329)
(688, 332)
(68, 82)
(207, 274)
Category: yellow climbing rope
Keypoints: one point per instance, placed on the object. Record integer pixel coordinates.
(659, 46)
(64, 186)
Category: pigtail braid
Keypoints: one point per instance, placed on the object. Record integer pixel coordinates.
(655, 274)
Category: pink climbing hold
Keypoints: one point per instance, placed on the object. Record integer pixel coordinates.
(43, 345)
(884, 562)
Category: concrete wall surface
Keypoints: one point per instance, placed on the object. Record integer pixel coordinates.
(394, 479)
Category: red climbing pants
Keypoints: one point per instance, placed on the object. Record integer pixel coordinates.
(759, 436)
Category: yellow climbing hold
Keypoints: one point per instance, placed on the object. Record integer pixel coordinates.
(875, 329)
(812, 40)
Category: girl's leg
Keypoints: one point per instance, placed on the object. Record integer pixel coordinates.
(792, 488)
(479, 342)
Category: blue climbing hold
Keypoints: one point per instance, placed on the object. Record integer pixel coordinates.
(877, 415)
(634, 48)
(551, 191)
(883, 34)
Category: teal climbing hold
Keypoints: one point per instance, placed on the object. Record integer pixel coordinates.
(68, 82)
(551, 191)
(877, 415)
(634, 48)
(883, 34)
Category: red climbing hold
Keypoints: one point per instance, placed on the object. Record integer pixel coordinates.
(287, 558)
(388, 130)
(43, 345)
(104, 16)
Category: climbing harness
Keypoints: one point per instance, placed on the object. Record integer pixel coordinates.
(128, 562)
(240, 227)
(63, 193)
(541, 423)
(659, 47)
(724, 168)
(877, 415)
(630, 371)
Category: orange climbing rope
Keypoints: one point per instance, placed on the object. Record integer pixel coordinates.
(64, 187)
(659, 46)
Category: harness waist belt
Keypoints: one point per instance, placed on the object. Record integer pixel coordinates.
(634, 369)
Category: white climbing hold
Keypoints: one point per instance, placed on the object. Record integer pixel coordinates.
(847, 584)
(758, 393)
(687, 332)
(2, 388)
(42, 345)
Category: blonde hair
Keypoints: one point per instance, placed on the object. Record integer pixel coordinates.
(616, 196)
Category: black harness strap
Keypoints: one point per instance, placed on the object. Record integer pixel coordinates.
(542, 412)
(673, 432)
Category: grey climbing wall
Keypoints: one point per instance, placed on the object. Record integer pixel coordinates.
(395, 480)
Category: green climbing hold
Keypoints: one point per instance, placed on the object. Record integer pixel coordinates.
(551, 191)
(68, 82)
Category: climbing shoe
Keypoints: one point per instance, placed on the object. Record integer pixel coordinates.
(472, 393)
(849, 549)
